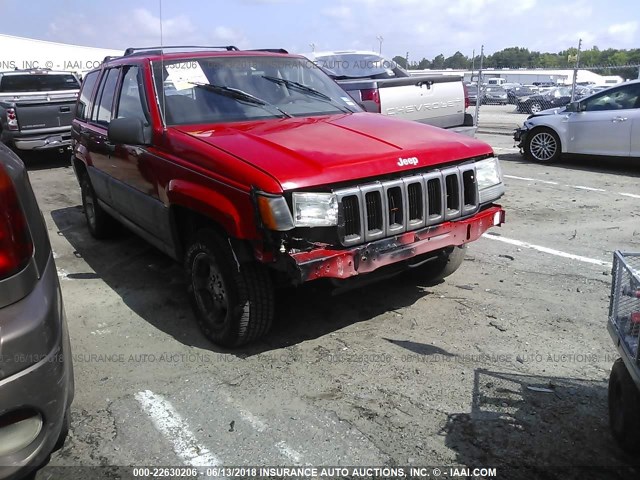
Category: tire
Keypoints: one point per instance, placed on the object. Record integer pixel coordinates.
(624, 414)
(233, 305)
(535, 107)
(101, 225)
(542, 145)
(435, 271)
(64, 432)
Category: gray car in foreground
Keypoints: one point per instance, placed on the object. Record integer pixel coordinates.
(36, 375)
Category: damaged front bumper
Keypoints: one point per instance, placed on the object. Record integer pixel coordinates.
(365, 259)
(520, 136)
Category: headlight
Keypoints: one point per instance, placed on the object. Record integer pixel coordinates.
(315, 209)
(274, 212)
(489, 178)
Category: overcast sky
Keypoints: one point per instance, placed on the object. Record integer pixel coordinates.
(424, 28)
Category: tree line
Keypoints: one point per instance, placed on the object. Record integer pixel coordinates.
(611, 61)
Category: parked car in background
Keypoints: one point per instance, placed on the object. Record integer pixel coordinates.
(556, 97)
(496, 82)
(36, 375)
(545, 84)
(256, 170)
(510, 85)
(605, 123)
(472, 93)
(598, 88)
(492, 95)
(36, 108)
(515, 93)
(381, 86)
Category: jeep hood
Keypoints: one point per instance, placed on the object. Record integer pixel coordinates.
(315, 151)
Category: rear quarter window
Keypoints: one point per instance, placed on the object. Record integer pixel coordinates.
(83, 106)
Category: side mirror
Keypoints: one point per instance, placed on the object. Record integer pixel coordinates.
(129, 131)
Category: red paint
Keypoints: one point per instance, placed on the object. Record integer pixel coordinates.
(212, 168)
(16, 246)
(312, 151)
(341, 264)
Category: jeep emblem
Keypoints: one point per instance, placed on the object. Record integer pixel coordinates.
(403, 162)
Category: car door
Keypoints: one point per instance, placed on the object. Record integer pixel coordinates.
(604, 124)
(98, 146)
(79, 131)
(634, 116)
(134, 185)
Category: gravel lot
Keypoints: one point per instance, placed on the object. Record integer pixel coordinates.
(503, 365)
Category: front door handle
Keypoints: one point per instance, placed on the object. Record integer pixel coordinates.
(619, 119)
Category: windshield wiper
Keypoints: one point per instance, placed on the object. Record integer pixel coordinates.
(239, 95)
(308, 90)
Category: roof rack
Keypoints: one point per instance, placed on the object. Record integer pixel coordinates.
(159, 50)
(132, 50)
(272, 50)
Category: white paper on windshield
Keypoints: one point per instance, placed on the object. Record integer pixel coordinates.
(181, 74)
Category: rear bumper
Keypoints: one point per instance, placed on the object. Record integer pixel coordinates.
(43, 142)
(45, 383)
(367, 258)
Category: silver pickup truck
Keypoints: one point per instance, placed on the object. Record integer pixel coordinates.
(36, 108)
(380, 85)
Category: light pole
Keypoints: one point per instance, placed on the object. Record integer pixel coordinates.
(313, 47)
(380, 39)
(575, 72)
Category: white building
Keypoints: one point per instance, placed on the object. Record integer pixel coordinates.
(20, 52)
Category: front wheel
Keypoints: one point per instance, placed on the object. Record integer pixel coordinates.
(624, 416)
(233, 302)
(435, 271)
(542, 145)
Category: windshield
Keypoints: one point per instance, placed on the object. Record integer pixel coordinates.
(228, 89)
(38, 82)
(360, 65)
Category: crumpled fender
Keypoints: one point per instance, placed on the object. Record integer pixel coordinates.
(214, 205)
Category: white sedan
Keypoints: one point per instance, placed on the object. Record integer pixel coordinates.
(605, 123)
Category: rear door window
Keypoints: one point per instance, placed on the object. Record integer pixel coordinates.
(84, 102)
(103, 108)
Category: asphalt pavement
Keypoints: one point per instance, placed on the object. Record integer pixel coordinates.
(504, 364)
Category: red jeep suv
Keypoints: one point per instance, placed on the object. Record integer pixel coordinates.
(255, 169)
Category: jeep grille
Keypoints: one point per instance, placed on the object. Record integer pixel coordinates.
(382, 209)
